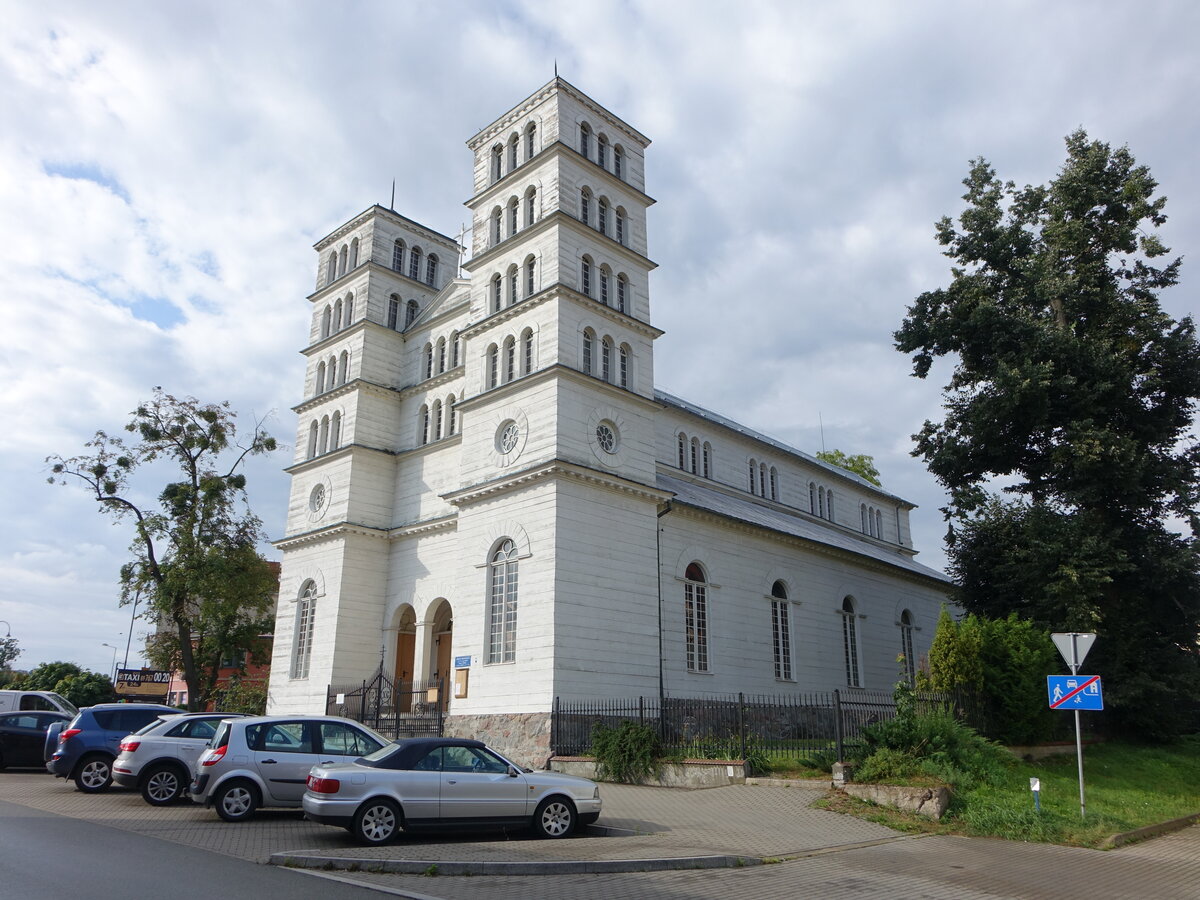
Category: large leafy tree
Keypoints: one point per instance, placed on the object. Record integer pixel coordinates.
(194, 552)
(1074, 392)
(860, 463)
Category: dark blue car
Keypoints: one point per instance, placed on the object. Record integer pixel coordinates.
(87, 746)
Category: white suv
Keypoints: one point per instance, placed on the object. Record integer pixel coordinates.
(158, 759)
(264, 760)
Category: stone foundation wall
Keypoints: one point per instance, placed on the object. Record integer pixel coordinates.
(691, 773)
(522, 737)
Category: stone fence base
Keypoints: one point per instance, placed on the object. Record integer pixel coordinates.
(691, 773)
(925, 801)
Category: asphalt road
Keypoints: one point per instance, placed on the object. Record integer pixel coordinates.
(44, 856)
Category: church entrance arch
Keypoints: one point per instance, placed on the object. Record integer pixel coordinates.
(406, 653)
(441, 625)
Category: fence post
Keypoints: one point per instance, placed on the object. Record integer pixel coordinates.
(555, 727)
(742, 724)
(641, 710)
(362, 704)
(837, 722)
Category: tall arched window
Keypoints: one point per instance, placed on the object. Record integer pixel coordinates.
(812, 497)
(423, 427)
(622, 294)
(850, 642)
(526, 351)
(411, 312)
(493, 365)
(602, 151)
(313, 430)
(513, 144)
(514, 285)
(585, 276)
(393, 313)
(683, 445)
(781, 634)
(862, 513)
(331, 269)
(431, 270)
(343, 258)
(585, 206)
(497, 162)
(354, 253)
(348, 311)
(435, 423)
(589, 341)
(497, 293)
(336, 318)
(821, 502)
(529, 271)
(604, 285)
(530, 140)
(530, 206)
(414, 263)
(335, 431)
(497, 218)
(454, 349)
(510, 358)
(774, 484)
(344, 367)
(829, 505)
(514, 208)
(332, 381)
(624, 367)
(320, 378)
(879, 524)
(619, 161)
(428, 360)
(606, 349)
(762, 479)
(619, 225)
(602, 216)
(502, 604)
(585, 140)
(323, 441)
(306, 614)
(450, 416)
(441, 354)
(906, 647)
(707, 459)
(398, 256)
(695, 617)
(753, 472)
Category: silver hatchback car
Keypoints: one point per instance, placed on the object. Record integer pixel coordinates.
(265, 760)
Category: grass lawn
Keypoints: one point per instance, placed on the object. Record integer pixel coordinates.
(1126, 786)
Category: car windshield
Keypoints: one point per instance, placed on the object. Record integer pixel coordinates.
(67, 705)
(382, 753)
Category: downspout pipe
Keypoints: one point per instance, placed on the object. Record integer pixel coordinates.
(667, 507)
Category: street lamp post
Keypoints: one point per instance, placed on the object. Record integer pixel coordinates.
(112, 677)
(7, 628)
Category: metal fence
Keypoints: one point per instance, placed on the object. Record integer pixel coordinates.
(798, 726)
(396, 709)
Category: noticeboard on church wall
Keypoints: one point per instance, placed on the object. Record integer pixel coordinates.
(142, 682)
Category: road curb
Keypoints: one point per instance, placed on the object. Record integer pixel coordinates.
(1149, 831)
(459, 867)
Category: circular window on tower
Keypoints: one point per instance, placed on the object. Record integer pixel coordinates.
(507, 437)
(606, 437)
(318, 499)
(512, 431)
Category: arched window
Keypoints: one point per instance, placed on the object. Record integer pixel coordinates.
(450, 423)
(695, 455)
(530, 206)
(906, 647)
(502, 604)
(513, 144)
(398, 256)
(496, 293)
(753, 471)
(514, 207)
(332, 381)
(762, 479)
(410, 314)
(585, 206)
(514, 285)
(602, 216)
(585, 140)
(707, 460)
(335, 431)
(530, 140)
(821, 502)
(306, 614)
(343, 258)
(354, 254)
(336, 318)
(431, 270)
(497, 218)
(454, 349)
(331, 269)
(313, 430)
(622, 294)
(493, 365)
(862, 512)
(602, 151)
(441, 355)
(427, 365)
(423, 426)
(879, 524)
(348, 311)
(604, 285)
(414, 263)
(510, 358)
(344, 367)
(850, 642)
(781, 635)
(326, 321)
(829, 505)
(323, 441)
(683, 444)
(529, 285)
(435, 424)
(497, 162)
(526, 351)
(585, 276)
(812, 497)
(774, 484)
(619, 161)
(589, 340)
(619, 225)
(695, 617)
(320, 378)
(624, 367)
(606, 349)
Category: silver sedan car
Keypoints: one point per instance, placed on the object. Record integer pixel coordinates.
(431, 783)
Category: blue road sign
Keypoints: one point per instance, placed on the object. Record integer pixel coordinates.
(1074, 692)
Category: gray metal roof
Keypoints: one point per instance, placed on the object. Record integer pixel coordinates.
(718, 419)
(699, 496)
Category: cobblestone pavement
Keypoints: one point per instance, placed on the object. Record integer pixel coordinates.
(823, 855)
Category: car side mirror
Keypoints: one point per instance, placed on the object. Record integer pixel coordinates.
(512, 772)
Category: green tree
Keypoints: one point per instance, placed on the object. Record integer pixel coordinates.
(195, 557)
(45, 677)
(85, 689)
(859, 463)
(9, 651)
(1075, 390)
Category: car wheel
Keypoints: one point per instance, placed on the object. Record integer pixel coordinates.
(555, 818)
(376, 822)
(236, 801)
(93, 774)
(162, 785)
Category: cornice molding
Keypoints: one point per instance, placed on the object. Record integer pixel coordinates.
(553, 469)
(553, 151)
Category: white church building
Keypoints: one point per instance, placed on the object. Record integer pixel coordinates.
(489, 491)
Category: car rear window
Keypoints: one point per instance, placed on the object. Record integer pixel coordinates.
(221, 738)
(105, 718)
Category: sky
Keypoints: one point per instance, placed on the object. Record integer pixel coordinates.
(165, 169)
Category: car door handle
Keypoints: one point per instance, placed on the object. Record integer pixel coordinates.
(326, 762)
(451, 782)
(267, 762)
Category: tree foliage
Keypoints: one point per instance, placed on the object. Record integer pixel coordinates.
(859, 464)
(9, 651)
(194, 552)
(85, 689)
(1076, 392)
(46, 676)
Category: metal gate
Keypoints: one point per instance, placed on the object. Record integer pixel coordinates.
(394, 709)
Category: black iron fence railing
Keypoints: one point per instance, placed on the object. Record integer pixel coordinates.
(396, 709)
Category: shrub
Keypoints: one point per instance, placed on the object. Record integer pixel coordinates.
(628, 753)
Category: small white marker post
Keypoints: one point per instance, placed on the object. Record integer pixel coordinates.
(1035, 785)
(1074, 646)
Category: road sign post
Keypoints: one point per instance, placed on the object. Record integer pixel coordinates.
(1074, 646)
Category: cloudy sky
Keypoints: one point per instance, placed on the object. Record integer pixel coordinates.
(166, 167)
